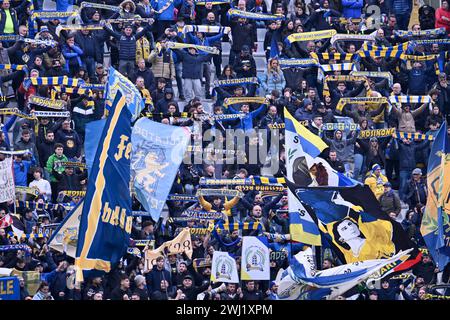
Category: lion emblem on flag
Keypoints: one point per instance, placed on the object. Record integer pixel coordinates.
(148, 167)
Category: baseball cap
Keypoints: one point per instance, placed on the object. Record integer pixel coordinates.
(245, 48)
(417, 171)
(188, 276)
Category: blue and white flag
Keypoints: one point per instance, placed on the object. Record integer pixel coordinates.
(118, 82)
(106, 219)
(301, 280)
(305, 168)
(94, 131)
(435, 226)
(65, 237)
(223, 268)
(157, 152)
(255, 261)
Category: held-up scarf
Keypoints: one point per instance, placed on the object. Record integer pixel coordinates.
(99, 6)
(42, 206)
(410, 99)
(418, 58)
(15, 152)
(77, 27)
(50, 15)
(431, 41)
(375, 74)
(298, 63)
(181, 197)
(177, 45)
(48, 103)
(351, 37)
(253, 15)
(360, 100)
(425, 33)
(207, 29)
(13, 67)
(260, 188)
(54, 81)
(334, 67)
(216, 2)
(238, 226)
(52, 114)
(199, 149)
(235, 82)
(16, 112)
(377, 133)
(339, 126)
(307, 36)
(219, 192)
(12, 247)
(326, 91)
(202, 215)
(241, 100)
(369, 50)
(413, 136)
(333, 56)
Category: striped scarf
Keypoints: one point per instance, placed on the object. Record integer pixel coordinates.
(238, 226)
(375, 74)
(334, 67)
(16, 112)
(424, 33)
(410, 99)
(333, 56)
(177, 45)
(13, 67)
(413, 136)
(206, 29)
(42, 206)
(369, 50)
(418, 58)
(360, 100)
(298, 63)
(253, 15)
(54, 81)
(307, 36)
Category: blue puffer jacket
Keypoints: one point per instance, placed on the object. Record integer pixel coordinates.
(352, 8)
(166, 15)
(246, 123)
(72, 53)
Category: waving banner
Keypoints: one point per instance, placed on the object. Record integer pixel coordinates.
(181, 243)
(435, 223)
(7, 190)
(157, 152)
(65, 237)
(106, 219)
(223, 268)
(255, 259)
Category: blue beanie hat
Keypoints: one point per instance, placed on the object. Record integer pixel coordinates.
(375, 167)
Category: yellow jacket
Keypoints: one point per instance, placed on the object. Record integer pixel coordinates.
(376, 184)
(227, 205)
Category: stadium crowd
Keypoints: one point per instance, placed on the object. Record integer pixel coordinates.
(175, 80)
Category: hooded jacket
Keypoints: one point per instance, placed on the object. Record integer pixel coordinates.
(344, 147)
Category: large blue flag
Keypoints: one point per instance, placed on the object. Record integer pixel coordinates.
(94, 131)
(119, 83)
(106, 219)
(158, 150)
(435, 226)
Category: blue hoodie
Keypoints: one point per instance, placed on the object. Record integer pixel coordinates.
(166, 15)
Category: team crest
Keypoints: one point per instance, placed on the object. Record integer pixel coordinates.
(223, 268)
(254, 258)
